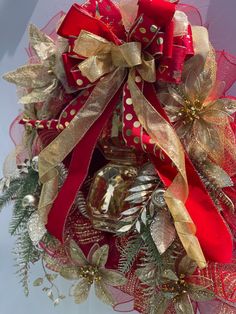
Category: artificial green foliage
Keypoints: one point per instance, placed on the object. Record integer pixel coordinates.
(26, 254)
(130, 253)
(30, 186)
(11, 192)
(150, 245)
(25, 184)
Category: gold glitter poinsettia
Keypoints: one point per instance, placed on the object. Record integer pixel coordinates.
(38, 80)
(200, 117)
(178, 288)
(91, 270)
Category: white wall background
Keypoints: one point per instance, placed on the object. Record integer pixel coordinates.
(15, 15)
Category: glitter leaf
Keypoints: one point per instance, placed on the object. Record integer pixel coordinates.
(162, 231)
(80, 291)
(70, 273)
(103, 294)
(113, 278)
(100, 256)
(29, 76)
(77, 255)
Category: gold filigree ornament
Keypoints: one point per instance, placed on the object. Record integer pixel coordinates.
(200, 116)
(40, 79)
(178, 288)
(91, 270)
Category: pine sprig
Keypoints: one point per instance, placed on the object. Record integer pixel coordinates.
(129, 253)
(150, 267)
(11, 192)
(26, 253)
(152, 250)
(19, 221)
(20, 215)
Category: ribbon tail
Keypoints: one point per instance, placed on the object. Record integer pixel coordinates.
(78, 171)
(91, 117)
(165, 137)
(204, 214)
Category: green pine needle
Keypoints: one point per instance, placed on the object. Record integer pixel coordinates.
(151, 246)
(129, 253)
(26, 254)
(9, 193)
(21, 215)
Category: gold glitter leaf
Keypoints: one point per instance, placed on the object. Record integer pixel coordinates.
(70, 273)
(176, 96)
(162, 231)
(160, 304)
(38, 282)
(37, 95)
(100, 256)
(200, 294)
(29, 76)
(183, 304)
(103, 294)
(145, 274)
(169, 274)
(40, 43)
(52, 263)
(80, 291)
(77, 255)
(226, 105)
(187, 266)
(113, 278)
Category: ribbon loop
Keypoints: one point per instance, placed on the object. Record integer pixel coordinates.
(96, 66)
(89, 44)
(127, 55)
(104, 57)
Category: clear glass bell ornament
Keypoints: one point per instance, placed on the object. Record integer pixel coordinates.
(109, 188)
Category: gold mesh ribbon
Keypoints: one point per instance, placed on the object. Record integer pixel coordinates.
(106, 60)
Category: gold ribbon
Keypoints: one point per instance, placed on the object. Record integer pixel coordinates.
(166, 138)
(104, 57)
(63, 144)
(106, 60)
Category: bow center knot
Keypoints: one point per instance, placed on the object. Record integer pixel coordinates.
(103, 57)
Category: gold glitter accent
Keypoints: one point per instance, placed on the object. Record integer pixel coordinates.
(60, 127)
(128, 132)
(142, 30)
(79, 82)
(137, 124)
(64, 115)
(153, 28)
(72, 112)
(136, 140)
(129, 101)
(129, 117)
(160, 41)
